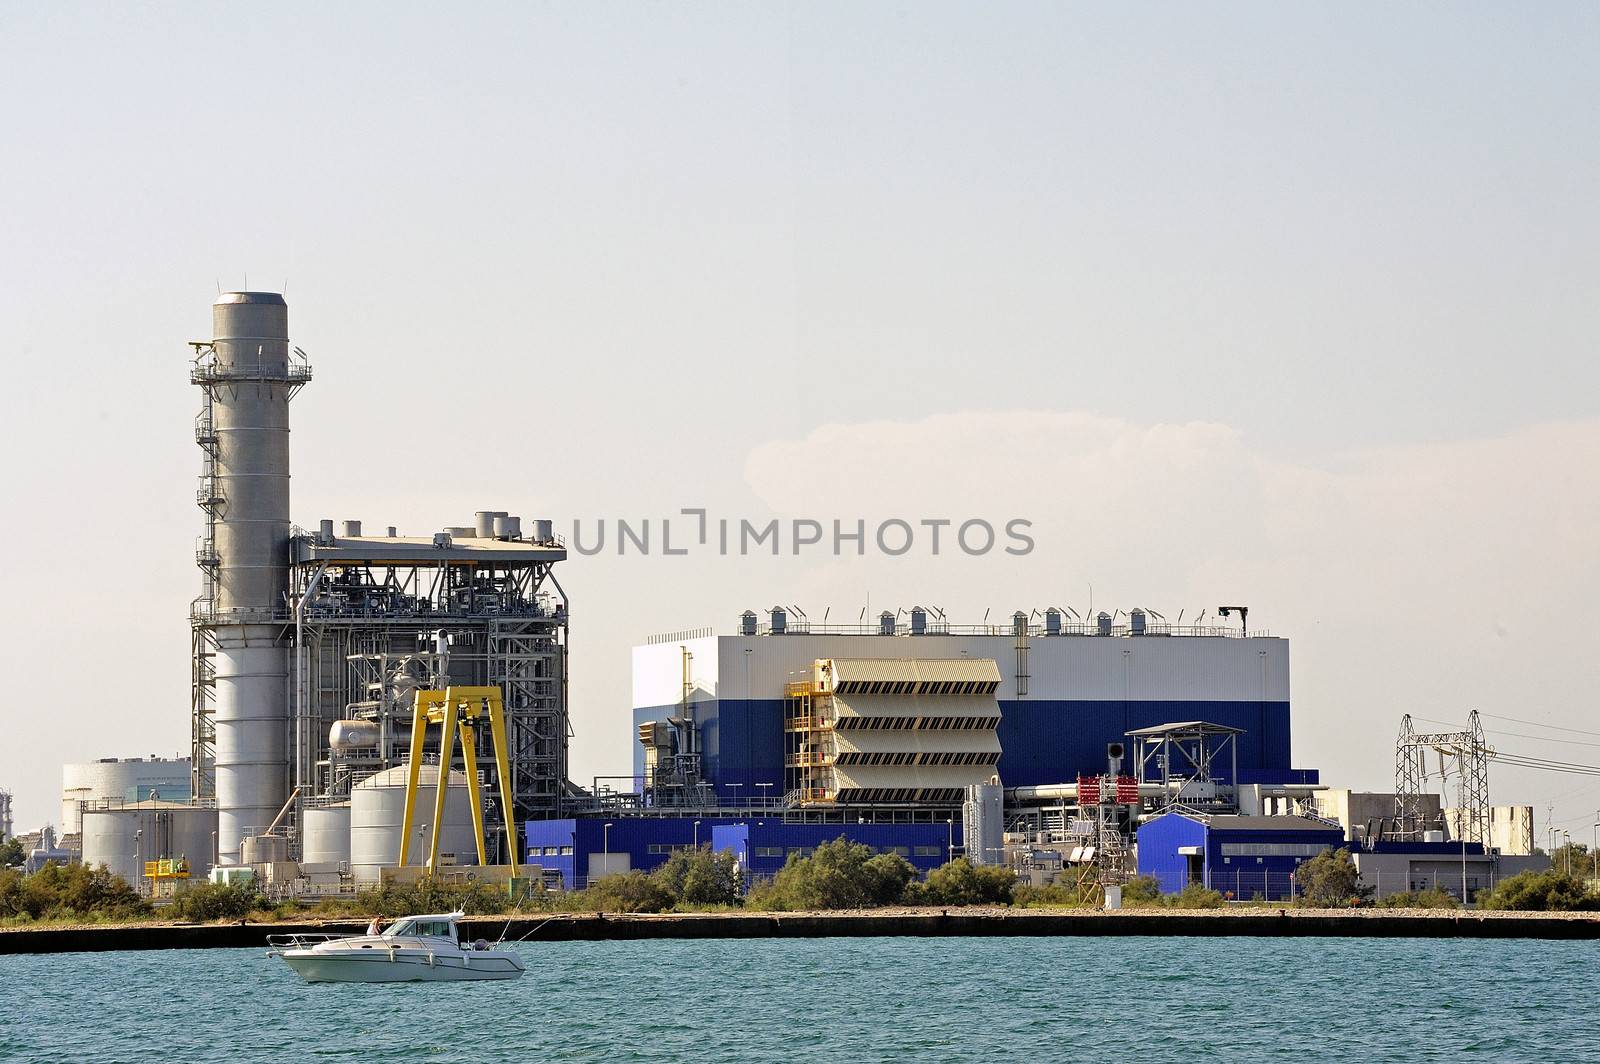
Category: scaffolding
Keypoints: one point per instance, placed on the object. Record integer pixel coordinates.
(807, 725)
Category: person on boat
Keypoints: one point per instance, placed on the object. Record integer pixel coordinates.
(376, 926)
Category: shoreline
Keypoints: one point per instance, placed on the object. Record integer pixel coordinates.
(899, 922)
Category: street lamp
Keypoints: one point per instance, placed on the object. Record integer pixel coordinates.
(605, 834)
(697, 834)
(950, 838)
(1566, 844)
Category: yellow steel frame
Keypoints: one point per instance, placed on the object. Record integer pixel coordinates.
(457, 708)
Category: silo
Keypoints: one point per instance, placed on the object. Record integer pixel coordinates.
(325, 834)
(377, 812)
(248, 381)
(124, 838)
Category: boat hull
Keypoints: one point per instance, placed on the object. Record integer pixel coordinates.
(347, 966)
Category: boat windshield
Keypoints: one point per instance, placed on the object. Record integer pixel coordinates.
(405, 928)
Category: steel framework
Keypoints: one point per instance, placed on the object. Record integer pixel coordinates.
(369, 634)
(1467, 753)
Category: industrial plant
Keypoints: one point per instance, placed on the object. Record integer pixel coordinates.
(1085, 748)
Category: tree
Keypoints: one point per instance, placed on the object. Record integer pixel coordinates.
(840, 875)
(960, 882)
(699, 877)
(624, 892)
(1330, 881)
(12, 855)
(1547, 891)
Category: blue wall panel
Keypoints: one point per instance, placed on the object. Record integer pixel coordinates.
(1042, 742)
(648, 841)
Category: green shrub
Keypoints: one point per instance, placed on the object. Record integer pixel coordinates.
(840, 875)
(960, 882)
(429, 895)
(1547, 891)
(1195, 896)
(1141, 890)
(213, 901)
(1051, 895)
(73, 891)
(621, 892)
(699, 877)
(1431, 898)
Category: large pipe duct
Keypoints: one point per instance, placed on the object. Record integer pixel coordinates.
(248, 381)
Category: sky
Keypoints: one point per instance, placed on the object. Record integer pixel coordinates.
(1290, 305)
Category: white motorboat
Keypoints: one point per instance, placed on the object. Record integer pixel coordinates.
(415, 948)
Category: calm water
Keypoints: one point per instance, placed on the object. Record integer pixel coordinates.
(833, 1000)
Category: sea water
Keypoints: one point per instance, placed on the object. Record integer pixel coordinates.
(839, 999)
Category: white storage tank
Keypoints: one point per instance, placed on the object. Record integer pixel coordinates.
(325, 834)
(123, 839)
(377, 811)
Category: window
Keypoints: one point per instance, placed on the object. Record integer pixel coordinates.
(904, 851)
(1273, 849)
(925, 851)
(769, 851)
(566, 851)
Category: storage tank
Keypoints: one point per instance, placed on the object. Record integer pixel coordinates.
(325, 834)
(123, 839)
(377, 811)
(121, 780)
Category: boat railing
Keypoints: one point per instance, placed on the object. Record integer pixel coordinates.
(302, 941)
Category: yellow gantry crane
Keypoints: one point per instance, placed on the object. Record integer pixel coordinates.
(458, 709)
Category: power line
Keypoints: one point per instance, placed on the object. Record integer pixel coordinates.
(1536, 724)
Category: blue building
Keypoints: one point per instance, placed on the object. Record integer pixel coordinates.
(585, 848)
(1065, 691)
(1243, 857)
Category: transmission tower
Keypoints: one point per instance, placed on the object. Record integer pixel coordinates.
(1464, 752)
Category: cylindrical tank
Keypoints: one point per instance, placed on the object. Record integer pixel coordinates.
(249, 384)
(886, 623)
(483, 522)
(1102, 623)
(377, 811)
(123, 839)
(1052, 621)
(780, 620)
(352, 528)
(460, 532)
(120, 780)
(747, 623)
(507, 527)
(325, 834)
(1136, 621)
(325, 531)
(919, 620)
(353, 734)
(544, 531)
(263, 849)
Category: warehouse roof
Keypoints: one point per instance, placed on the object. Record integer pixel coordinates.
(1243, 822)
